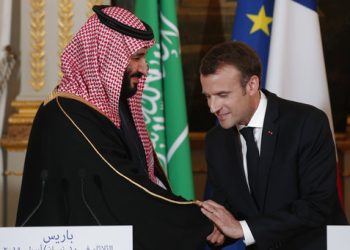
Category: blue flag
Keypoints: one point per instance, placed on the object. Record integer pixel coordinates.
(252, 25)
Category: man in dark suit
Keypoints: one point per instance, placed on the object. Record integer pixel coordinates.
(271, 162)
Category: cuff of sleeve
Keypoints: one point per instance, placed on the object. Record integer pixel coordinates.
(248, 237)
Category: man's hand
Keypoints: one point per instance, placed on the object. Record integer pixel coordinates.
(216, 237)
(223, 219)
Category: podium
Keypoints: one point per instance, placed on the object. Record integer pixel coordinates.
(67, 238)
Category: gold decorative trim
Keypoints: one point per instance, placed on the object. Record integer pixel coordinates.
(16, 138)
(14, 145)
(19, 125)
(26, 111)
(12, 173)
(38, 44)
(90, 4)
(55, 94)
(119, 173)
(65, 26)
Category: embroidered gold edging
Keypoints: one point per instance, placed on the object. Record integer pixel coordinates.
(50, 97)
(55, 94)
(119, 173)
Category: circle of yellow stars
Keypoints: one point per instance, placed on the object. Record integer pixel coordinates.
(260, 21)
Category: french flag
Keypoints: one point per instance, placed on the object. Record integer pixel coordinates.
(296, 68)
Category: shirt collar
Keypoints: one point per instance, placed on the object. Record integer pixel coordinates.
(257, 120)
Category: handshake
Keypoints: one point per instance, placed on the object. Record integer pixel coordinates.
(225, 224)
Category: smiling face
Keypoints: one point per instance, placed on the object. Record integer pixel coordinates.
(137, 68)
(227, 99)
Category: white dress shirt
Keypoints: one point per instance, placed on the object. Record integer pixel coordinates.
(257, 122)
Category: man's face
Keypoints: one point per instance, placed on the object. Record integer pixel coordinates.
(232, 104)
(137, 67)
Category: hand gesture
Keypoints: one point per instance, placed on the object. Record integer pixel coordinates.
(224, 221)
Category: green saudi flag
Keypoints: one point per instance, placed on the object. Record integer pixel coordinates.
(163, 100)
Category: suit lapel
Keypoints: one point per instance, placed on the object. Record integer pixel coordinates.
(268, 143)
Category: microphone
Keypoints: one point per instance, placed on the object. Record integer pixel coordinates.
(82, 174)
(43, 177)
(98, 183)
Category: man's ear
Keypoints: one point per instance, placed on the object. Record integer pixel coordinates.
(253, 85)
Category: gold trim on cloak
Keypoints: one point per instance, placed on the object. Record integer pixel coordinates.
(110, 165)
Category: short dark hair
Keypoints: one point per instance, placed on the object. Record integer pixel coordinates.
(233, 53)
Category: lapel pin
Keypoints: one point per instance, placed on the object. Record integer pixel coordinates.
(269, 132)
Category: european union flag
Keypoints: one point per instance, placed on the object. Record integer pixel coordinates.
(252, 25)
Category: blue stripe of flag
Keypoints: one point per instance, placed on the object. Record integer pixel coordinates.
(243, 25)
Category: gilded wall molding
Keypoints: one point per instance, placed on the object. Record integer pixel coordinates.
(38, 43)
(13, 173)
(25, 112)
(91, 3)
(20, 123)
(65, 26)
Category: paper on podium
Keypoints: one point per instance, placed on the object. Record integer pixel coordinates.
(338, 237)
(66, 238)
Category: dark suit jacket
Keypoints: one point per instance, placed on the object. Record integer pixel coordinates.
(297, 194)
